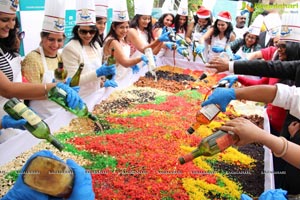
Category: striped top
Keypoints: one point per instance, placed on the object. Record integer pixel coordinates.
(5, 67)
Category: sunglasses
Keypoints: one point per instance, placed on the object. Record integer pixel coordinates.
(21, 35)
(85, 32)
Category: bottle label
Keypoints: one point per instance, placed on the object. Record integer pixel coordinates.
(225, 141)
(210, 111)
(27, 114)
(61, 92)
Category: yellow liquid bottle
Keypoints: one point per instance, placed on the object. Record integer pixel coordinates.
(211, 145)
(49, 176)
(110, 61)
(60, 73)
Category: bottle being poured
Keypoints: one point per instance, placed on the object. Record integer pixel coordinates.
(195, 44)
(211, 145)
(207, 113)
(35, 125)
(59, 96)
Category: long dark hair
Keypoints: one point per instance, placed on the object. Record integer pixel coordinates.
(256, 39)
(228, 31)
(8, 44)
(76, 35)
(100, 36)
(292, 52)
(135, 24)
(160, 21)
(209, 22)
(112, 33)
(176, 23)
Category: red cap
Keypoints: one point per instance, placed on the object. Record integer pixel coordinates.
(203, 13)
(224, 16)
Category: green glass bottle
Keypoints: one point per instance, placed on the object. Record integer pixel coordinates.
(186, 54)
(35, 125)
(110, 61)
(76, 78)
(195, 44)
(60, 73)
(194, 51)
(59, 96)
(211, 145)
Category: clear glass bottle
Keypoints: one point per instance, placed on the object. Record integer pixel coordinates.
(207, 113)
(49, 176)
(211, 145)
(204, 116)
(35, 125)
(60, 73)
(76, 78)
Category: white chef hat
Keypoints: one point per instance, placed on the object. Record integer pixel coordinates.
(290, 30)
(54, 17)
(142, 7)
(183, 8)
(167, 7)
(101, 8)
(9, 6)
(273, 24)
(256, 25)
(120, 12)
(85, 12)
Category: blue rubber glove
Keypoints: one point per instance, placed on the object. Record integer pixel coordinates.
(9, 122)
(110, 83)
(236, 57)
(105, 70)
(231, 79)
(220, 96)
(135, 69)
(204, 30)
(76, 88)
(20, 190)
(171, 45)
(217, 49)
(82, 188)
(245, 197)
(200, 48)
(182, 42)
(73, 99)
(182, 51)
(274, 194)
(144, 59)
(164, 37)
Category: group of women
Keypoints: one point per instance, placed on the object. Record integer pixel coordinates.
(128, 40)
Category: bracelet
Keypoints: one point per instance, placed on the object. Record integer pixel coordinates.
(285, 147)
(46, 91)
